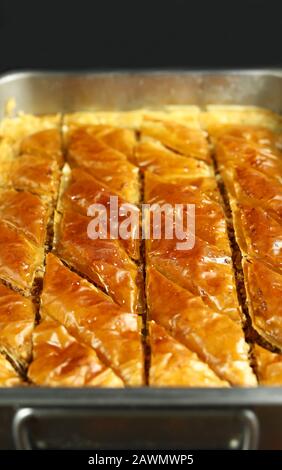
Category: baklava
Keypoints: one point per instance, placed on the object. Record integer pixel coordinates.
(78, 310)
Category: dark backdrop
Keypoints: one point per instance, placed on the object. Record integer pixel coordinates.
(104, 34)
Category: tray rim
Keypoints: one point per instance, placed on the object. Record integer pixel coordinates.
(143, 397)
(18, 74)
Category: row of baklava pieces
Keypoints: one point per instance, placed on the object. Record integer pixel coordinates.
(62, 360)
(250, 162)
(175, 156)
(29, 181)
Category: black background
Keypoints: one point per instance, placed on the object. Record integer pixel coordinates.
(132, 34)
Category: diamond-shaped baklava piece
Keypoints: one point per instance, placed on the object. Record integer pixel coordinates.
(59, 360)
(94, 319)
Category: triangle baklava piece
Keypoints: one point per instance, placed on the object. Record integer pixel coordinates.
(103, 162)
(174, 365)
(45, 144)
(214, 337)
(83, 190)
(103, 261)
(150, 155)
(186, 140)
(204, 270)
(59, 360)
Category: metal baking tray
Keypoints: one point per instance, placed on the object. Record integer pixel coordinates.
(40, 418)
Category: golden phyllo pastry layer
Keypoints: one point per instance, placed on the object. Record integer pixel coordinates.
(174, 365)
(59, 360)
(77, 310)
(17, 318)
(8, 375)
